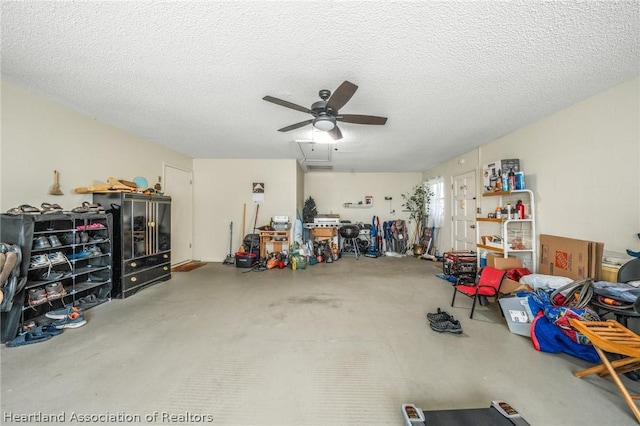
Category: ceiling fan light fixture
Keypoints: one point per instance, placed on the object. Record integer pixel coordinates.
(325, 123)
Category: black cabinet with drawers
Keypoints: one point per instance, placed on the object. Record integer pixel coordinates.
(142, 240)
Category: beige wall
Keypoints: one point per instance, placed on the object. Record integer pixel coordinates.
(40, 136)
(583, 165)
(331, 190)
(460, 165)
(222, 187)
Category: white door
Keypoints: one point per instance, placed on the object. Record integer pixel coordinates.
(464, 211)
(178, 184)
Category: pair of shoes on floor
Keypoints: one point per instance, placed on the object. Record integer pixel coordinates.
(28, 338)
(441, 322)
(64, 312)
(34, 334)
(31, 327)
(74, 319)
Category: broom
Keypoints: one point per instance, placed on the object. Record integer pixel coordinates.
(55, 188)
(230, 260)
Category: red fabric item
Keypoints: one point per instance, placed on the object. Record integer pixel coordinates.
(516, 273)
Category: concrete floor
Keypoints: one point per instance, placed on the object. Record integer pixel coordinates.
(336, 344)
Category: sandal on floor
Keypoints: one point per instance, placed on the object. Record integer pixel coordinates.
(28, 338)
(47, 330)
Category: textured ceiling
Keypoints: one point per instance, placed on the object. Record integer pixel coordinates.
(449, 75)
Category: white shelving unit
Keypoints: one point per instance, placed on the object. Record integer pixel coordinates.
(518, 237)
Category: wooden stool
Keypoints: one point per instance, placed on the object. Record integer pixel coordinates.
(611, 336)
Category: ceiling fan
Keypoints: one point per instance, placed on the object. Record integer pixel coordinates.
(325, 112)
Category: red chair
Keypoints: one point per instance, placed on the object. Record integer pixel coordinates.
(488, 283)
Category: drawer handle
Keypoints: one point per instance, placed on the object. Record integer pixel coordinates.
(134, 279)
(166, 256)
(166, 268)
(134, 264)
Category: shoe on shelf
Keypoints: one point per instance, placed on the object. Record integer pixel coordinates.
(55, 290)
(71, 238)
(94, 250)
(79, 255)
(39, 261)
(450, 326)
(439, 316)
(41, 242)
(84, 237)
(88, 301)
(97, 239)
(58, 258)
(48, 208)
(54, 241)
(62, 313)
(51, 275)
(99, 277)
(37, 296)
(94, 225)
(73, 320)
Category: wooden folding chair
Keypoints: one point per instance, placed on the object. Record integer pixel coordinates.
(611, 336)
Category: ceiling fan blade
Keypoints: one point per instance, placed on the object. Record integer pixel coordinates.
(296, 126)
(288, 104)
(336, 134)
(341, 95)
(361, 119)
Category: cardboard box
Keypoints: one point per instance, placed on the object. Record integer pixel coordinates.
(609, 273)
(487, 171)
(518, 314)
(508, 164)
(324, 232)
(571, 258)
(508, 286)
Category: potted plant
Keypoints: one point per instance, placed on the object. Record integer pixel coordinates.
(417, 203)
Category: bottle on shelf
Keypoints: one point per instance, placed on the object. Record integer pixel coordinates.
(512, 179)
(520, 181)
(520, 209)
(505, 182)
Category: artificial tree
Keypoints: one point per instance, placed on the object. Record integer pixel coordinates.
(417, 203)
(309, 210)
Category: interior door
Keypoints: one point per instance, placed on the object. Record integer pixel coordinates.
(178, 184)
(464, 211)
